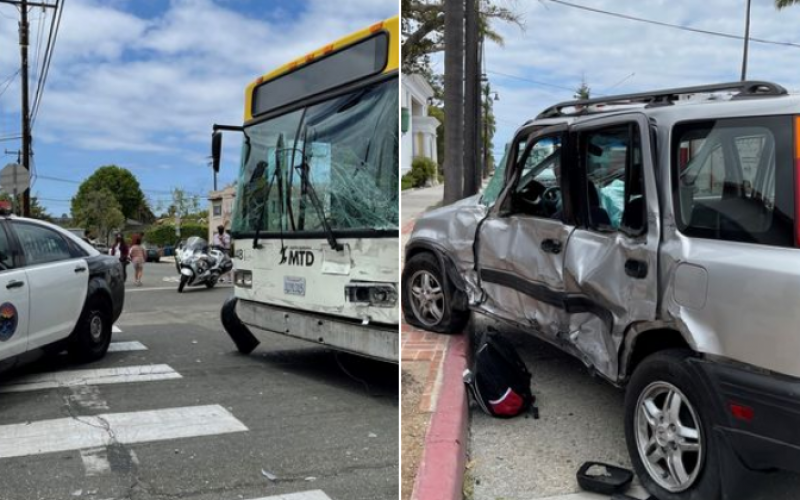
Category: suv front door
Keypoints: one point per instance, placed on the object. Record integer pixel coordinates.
(58, 279)
(521, 243)
(611, 262)
(14, 299)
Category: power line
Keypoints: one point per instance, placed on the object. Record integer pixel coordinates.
(537, 82)
(48, 57)
(154, 191)
(673, 26)
(7, 81)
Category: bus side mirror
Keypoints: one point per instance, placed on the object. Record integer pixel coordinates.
(216, 149)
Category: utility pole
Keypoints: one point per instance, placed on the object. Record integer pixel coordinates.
(746, 42)
(471, 100)
(24, 31)
(453, 100)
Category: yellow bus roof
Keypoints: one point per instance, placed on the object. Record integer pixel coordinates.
(391, 26)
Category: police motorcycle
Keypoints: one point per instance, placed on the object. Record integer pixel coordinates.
(200, 264)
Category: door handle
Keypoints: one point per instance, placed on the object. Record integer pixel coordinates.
(636, 268)
(15, 284)
(551, 246)
(80, 269)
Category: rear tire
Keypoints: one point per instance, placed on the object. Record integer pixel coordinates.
(92, 335)
(182, 283)
(683, 457)
(428, 296)
(210, 284)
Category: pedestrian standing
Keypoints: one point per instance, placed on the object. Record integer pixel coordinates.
(120, 250)
(222, 241)
(138, 258)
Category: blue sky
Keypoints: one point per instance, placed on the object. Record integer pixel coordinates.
(138, 83)
(560, 44)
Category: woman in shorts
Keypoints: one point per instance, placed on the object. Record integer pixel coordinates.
(137, 255)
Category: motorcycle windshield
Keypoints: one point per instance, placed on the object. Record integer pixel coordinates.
(195, 244)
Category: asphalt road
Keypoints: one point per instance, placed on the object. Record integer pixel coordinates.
(186, 416)
(581, 419)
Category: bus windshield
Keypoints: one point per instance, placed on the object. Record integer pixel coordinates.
(349, 148)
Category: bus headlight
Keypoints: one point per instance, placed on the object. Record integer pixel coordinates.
(243, 279)
(373, 294)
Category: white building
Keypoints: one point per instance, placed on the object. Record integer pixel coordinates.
(417, 128)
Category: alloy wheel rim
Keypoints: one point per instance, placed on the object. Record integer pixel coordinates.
(427, 298)
(96, 326)
(669, 437)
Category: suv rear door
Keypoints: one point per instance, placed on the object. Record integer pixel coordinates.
(58, 277)
(611, 262)
(520, 244)
(14, 299)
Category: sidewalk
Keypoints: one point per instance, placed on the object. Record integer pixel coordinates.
(434, 420)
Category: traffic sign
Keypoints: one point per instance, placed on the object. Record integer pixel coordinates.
(14, 178)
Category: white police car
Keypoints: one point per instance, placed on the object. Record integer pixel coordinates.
(56, 293)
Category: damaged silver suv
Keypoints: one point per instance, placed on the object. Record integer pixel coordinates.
(656, 237)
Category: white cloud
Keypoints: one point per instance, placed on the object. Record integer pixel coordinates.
(561, 43)
(121, 82)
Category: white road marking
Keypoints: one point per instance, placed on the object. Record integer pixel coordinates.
(63, 434)
(95, 460)
(87, 396)
(305, 495)
(145, 373)
(115, 329)
(133, 345)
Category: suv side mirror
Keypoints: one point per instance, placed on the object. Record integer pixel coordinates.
(216, 149)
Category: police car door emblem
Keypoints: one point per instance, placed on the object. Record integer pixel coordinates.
(8, 321)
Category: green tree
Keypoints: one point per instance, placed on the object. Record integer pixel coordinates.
(124, 188)
(100, 212)
(583, 92)
(423, 29)
(782, 4)
(37, 210)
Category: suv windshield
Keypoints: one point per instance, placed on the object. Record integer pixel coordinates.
(350, 147)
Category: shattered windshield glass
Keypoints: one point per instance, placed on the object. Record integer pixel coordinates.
(349, 146)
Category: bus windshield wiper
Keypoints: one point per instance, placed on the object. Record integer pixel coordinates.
(312, 193)
(276, 175)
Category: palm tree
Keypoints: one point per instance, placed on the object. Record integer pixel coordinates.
(453, 99)
(782, 4)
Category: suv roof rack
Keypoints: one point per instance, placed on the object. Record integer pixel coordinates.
(746, 89)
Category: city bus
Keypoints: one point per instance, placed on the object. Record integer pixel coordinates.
(315, 223)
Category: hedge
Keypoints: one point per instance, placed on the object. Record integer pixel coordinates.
(165, 234)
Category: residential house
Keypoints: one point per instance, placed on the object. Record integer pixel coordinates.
(418, 129)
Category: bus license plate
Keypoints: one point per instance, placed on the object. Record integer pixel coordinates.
(294, 286)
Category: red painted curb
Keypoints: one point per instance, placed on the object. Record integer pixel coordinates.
(441, 470)
(408, 226)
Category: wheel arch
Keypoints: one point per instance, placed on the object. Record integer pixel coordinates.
(645, 339)
(446, 263)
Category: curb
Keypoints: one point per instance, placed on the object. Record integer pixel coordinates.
(441, 471)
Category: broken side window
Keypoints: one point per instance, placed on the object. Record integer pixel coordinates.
(613, 185)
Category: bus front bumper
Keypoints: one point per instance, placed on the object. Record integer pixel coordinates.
(372, 340)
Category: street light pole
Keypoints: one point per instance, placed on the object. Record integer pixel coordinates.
(746, 42)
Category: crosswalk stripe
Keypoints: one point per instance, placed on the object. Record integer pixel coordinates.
(64, 434)
(133, 345)
(145, 373)
(305, 495)
(115, 329)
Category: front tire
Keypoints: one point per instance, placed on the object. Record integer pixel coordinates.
(182, 284)
(668, 430)
(92, 335)
(428, 296)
